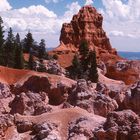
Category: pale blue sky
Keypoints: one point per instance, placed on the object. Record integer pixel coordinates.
(58, 7)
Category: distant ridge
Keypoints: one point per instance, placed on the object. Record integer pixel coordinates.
(130, 55)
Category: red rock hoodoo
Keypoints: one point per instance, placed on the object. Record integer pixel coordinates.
(86, 25)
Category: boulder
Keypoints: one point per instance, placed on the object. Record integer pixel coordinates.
(5, 91)
(125, 70)
(6, 121)
(55, 87)
(24, 126)
(103, 104)
(83, 128)
(117, 94)
(30, 104)
(85, 96)
(5, 98)
(82, 95)
(34, 84)
(122, 125)
(132, 98)
(46, 130)
(53, 67)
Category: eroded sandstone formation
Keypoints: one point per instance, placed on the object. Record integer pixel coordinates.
(132, 98)
(84, 95)
(86, 25)
(46, 106)
(125, 70)
(123, 125)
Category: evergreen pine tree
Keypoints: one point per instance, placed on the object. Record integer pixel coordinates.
(76, 70)
(18, 39)
(19, 60)
(2, 61)
(84, 51)
(42, 49)
(31, 62)
(10, 49)
(93, 72)
(28, 45)
(1, 33)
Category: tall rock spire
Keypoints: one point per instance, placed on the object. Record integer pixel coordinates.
(86, 25)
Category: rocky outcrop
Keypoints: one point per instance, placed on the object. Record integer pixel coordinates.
(84, 95)
(34, 84)
(4, 91)
(46, 130)
(81, 129)
(86, 25)
(123, 125)
(50, 106)
(63, 124)
(118, 94)
(53, 67)
(5, 98)
(125, 70)
(103, 104)
(132, 98)
(55, 87)
(5, 122)
(30, 104)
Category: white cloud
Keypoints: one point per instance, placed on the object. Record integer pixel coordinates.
(116, 33)
(121, 16)
(42, 22)
(4, 5)
(89, 2)
(122, 19)
(37, 10)
(73, 8)
(36, 18)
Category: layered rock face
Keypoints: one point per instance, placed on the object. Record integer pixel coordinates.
(86, 25)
